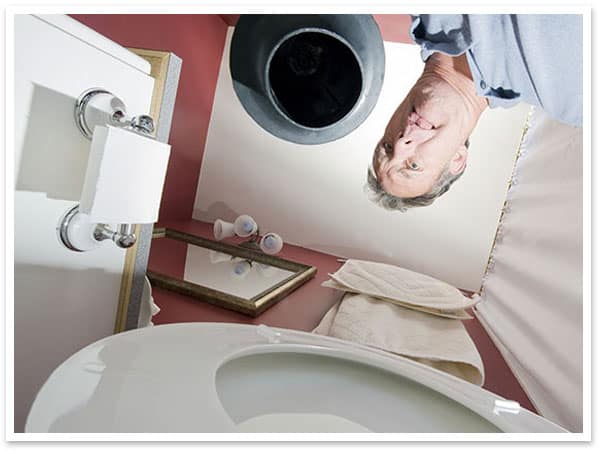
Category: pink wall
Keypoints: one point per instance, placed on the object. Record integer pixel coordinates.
(199, 41)
(394, 27)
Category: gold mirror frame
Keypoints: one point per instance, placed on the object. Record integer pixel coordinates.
(251, 307)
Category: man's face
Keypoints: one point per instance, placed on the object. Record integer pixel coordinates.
(425, 135)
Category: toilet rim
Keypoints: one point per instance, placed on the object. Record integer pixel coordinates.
(507, 415)
(248, 339)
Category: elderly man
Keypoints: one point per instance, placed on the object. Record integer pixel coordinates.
(472, 62)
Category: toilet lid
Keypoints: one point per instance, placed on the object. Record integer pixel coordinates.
(232, 378)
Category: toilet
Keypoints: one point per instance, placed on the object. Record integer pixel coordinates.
(234, 378)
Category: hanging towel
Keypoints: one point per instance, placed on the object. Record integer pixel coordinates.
(392, 321)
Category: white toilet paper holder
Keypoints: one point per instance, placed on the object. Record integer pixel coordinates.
(90, 110)
(78, 233)
(75, 230)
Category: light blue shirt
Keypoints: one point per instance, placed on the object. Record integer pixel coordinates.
(531, 58)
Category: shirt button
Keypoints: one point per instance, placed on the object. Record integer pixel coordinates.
(482, 84)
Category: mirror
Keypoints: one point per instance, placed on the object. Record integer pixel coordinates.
(234, 277)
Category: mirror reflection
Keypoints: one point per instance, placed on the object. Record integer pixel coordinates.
(226, 272)
(229, 276)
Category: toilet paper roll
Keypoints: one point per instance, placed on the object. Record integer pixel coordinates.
(124, 178)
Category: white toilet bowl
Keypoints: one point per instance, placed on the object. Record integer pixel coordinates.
(227, 378)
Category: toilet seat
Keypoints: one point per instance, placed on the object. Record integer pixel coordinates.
(226, 378)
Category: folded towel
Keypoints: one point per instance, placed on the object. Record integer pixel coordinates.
(438, 342)
(406, 313)
(451, 314)
(403, 287)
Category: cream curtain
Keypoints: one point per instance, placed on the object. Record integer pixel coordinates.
(532, 297)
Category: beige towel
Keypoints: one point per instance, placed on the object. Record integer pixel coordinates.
(403, 287)
(438, 342)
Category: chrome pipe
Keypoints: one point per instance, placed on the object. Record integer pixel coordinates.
(124, 237)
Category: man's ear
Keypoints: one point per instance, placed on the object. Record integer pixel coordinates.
(459, 160)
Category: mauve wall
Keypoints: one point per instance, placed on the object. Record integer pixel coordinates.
(199, 41)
